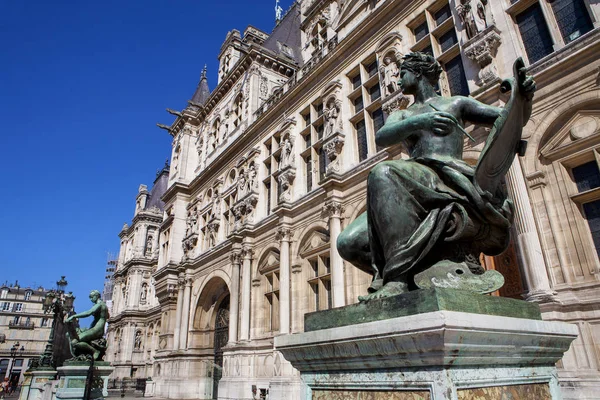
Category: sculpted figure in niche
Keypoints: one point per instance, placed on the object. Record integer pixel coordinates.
(252, 180)
(138, 340)
(286, 152)
(215, 211)
(144, 293)
(390, 74)
(331, 116)
(149, 244)
(468, 20)
(430, 217)
(482, 20)
(241, 184)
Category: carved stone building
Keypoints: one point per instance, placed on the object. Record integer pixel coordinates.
(24, 329)
(271, 165)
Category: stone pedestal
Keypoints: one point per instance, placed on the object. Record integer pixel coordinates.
(72, 379)
(37, 385)
(440, 353)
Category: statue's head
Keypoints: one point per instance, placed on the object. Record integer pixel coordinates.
(94, 296)
(416, 67)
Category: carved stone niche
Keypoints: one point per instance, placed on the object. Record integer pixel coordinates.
(389, 59)
(333, 146)
(286, 173)
(482, 50)
(247, 189)
(189, 244)
(332, 108)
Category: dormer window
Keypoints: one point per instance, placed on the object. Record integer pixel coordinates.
(4, 294)
(28, 295)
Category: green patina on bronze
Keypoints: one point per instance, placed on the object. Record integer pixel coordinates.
(419, 302)
(89, 344)
(429, 217)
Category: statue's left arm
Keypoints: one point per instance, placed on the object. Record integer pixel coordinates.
(83, 314)
(478, 113)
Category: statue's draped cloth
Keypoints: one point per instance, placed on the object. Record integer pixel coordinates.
(414, 205)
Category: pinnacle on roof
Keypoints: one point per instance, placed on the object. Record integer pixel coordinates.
(202, 92)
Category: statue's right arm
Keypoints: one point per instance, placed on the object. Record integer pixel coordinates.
(397, 128)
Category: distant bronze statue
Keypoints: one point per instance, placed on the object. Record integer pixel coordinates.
(429, 217)
(89, 343)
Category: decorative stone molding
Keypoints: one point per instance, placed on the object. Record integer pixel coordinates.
(482, 50)
(536, 179)
(283, 234)
(395, 102)
(243, 210)
(235, 257)
(333, 147)
(333, 209)
(296, 268)
(189, 243)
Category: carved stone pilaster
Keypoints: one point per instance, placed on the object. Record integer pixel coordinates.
(482, 50)
(333, 146)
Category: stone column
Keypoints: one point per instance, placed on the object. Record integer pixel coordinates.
(185, 312)
(177, 329)
(333, 210)
(246, 282)
(528, 241)
(284, 236)
(234, 303)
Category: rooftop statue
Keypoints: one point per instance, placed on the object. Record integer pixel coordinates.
(89, 343)
(429, 217)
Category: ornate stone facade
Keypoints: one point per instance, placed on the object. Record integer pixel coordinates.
(273, 165)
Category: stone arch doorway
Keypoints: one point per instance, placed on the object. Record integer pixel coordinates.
(221, 339)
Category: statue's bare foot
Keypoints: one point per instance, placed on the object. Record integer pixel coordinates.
(389, 289)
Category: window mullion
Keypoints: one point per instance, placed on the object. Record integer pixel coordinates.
(555, 34)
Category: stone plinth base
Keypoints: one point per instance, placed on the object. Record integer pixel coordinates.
(37, 385)
(72, 380)
(435, 355)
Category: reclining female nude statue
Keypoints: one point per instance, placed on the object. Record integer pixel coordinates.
(430, 216)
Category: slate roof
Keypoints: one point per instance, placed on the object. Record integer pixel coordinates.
(202, 92)
(158, 190)
(287, 32)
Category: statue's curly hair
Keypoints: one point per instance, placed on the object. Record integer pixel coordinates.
(423, 64)
(95, 292)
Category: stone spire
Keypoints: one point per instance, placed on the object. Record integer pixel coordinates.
(202, 91)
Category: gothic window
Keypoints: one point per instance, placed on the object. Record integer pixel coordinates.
(572, 17)
(420, 31)
(442, 15)
(271, 281)
(237, 111)
(366, 100)
(534, 32)
(228, 215)
(312, 135)
(435, 34)
(587, 178)
(320, 281)
(455, 74)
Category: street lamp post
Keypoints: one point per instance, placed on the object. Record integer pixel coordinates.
(59, 304)
(14, 352)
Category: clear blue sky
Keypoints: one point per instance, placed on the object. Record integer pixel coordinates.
(82, 85)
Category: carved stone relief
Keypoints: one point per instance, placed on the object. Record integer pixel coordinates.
(482, 50)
